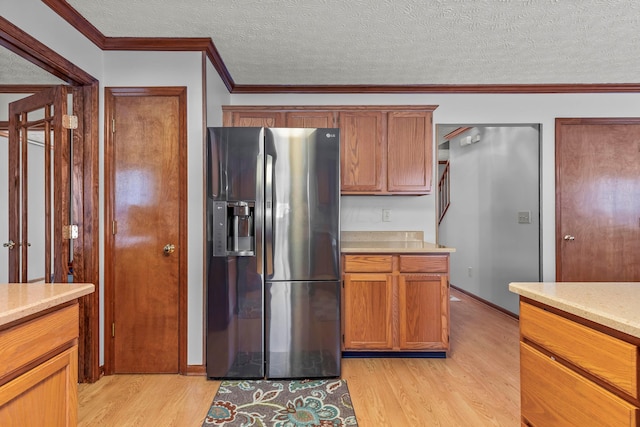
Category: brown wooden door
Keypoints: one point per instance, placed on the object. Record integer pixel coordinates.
(39, 188)
(409, 152)
(147, 244)
(368, 300)
(598, 200)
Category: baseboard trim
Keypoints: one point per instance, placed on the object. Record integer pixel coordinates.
(395, 354)
(485, 302)
(196, 370)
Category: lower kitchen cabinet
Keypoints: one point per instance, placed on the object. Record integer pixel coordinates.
(368, 300)
(397, 303)
(424, 316)
(574, 373)
(39, 370)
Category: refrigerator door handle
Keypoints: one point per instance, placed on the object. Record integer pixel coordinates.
(259, 212)
(268, 215)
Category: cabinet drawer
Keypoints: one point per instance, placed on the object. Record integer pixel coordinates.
(554, 395)
(368, 263)
(608, 358)
(28, 341)
(424, 264)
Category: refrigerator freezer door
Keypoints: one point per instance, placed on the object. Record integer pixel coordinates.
(302, 326)
(305, 198)
(235, 345)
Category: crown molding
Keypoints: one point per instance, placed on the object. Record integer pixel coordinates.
(457, 89)
(67, 12)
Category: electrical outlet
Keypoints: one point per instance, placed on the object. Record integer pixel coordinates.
(386, 215)
(469, 271)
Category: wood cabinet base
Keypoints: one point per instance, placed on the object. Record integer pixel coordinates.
(396, 303)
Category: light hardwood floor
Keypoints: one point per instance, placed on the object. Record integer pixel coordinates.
(476, 385)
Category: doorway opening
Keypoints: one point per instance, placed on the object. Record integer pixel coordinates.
(489, 179)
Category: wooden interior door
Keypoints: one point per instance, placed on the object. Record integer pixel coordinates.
(146, 228)
(39, 188)
(597, 200)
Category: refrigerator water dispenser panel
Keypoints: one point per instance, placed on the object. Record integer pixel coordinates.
(234, 225)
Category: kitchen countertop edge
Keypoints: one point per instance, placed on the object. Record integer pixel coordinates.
(612, 304)
(392, 247)
(20, 300)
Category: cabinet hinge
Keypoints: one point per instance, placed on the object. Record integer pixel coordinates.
(113, 125)
(114, 227)
(69, 122)
(342, 338)
(113, 329)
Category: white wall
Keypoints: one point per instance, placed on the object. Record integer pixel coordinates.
(173, 69)
(491, 181)
(482, 109)
(115, 68)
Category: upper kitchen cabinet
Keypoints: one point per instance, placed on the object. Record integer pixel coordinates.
(310, 119)
(252, 118)
(362, 152)
(385, 149)
(409, 152)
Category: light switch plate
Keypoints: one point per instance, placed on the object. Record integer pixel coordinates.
(524, 217)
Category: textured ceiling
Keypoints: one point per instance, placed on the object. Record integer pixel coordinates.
(16, 70)
(395, 42)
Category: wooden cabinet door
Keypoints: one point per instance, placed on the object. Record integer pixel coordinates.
(362, 151)
(554, 395)
(44, 395)
(310, 119)
(254, 119)
(424, 311)
(409, 152)
(367, 311)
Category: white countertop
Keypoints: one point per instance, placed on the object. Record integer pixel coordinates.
(19, 300)
(612, 304)
(388, 242)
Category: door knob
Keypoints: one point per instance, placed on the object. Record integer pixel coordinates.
(10, 244)
(569, 237)
(169, 248)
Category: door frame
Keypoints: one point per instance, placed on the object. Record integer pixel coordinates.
(560, 122)
(109, 202)
(85, 178)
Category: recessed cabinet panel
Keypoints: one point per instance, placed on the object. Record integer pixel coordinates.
(423, 302)
(424, 264)
(368, 264)
(361, 151)
(254, 119)
(367, 308)
(409, 152)
(310, 119)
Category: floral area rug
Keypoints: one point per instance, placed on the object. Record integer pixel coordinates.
(304, 403)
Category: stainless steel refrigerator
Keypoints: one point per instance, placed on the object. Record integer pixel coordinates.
(273, 253)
